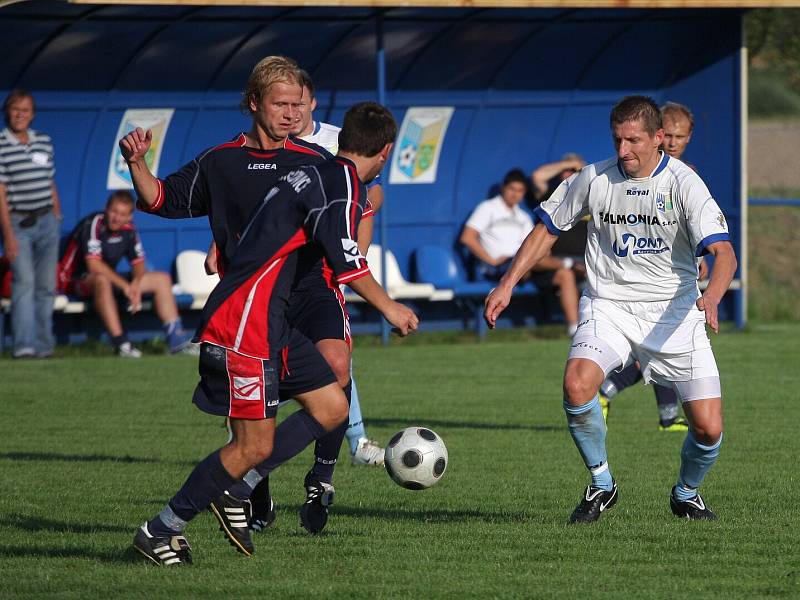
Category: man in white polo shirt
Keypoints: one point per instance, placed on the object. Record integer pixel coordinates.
(29, 222)
(496, 229)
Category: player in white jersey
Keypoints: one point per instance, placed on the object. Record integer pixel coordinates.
(363, 451)
(651, 216)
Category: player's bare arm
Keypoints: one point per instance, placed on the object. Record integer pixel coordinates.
(210, 264)
(134, 292)
(134, 147)
(398, 315)
(535, 247)
(725, 265)
(365, 230)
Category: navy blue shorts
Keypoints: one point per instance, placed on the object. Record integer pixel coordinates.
(242, 387)
(319, 314)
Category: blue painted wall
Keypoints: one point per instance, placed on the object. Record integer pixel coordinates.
(527, 86)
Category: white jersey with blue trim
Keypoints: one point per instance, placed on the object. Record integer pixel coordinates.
(325, 135)
(645, 234)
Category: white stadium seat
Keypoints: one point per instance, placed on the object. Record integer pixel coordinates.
(397, 287)
(192, 278)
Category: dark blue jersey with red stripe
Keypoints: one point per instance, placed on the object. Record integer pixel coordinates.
(227, 182)
(91, 239)
(323, 205)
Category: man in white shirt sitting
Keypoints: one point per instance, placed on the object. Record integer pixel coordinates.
(496, 229)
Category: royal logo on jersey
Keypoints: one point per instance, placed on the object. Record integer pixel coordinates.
(635, 192)
(638, 245)
(664, 200)
(247, 388)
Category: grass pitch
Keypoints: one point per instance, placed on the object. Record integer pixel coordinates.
(92, 446)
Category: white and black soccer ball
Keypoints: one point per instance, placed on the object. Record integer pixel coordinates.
(415, 458)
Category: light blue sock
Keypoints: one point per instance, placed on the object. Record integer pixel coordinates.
(356, 430)
(696, 460)
(588, 430)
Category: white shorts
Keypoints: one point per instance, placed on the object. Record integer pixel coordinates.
(667, 338)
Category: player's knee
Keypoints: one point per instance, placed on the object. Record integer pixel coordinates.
(161, 280)
(101, 286)
(564, 278)
(341, 369)
(255, 450)
(577, 390)
(707, 434)
(338, 360)
(336, 412)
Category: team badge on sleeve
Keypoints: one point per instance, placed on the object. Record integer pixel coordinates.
(722, 222)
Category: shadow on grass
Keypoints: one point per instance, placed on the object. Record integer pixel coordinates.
(435, 423)
(36, 524)
(109, 556)
(433, 515)
(56, 457)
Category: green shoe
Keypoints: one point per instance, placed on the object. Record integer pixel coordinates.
(677, 424)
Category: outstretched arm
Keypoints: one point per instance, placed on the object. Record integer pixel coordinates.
(134, 147)
(724, 268)
(399, 315)
(535, 247)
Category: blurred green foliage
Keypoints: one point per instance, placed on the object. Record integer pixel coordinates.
(774, 53)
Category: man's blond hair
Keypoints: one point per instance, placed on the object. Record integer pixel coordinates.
(269, 71)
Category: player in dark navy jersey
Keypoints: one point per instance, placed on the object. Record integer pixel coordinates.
(225, 182)
(87, 269)
(245, 330)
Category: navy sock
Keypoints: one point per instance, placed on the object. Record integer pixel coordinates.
(667, 401)
(292, 436)
(622, 379)
(588, 430)
(326, 450)
(207, 481)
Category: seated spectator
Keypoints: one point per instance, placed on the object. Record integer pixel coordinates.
(88, 270)
(496, 229)
(545, 180)
(549, 176)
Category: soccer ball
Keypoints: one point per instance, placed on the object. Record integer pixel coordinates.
(415, 458)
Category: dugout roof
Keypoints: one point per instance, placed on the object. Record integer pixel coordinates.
(525, 85)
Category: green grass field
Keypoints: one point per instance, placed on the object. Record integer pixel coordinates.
(91, 446)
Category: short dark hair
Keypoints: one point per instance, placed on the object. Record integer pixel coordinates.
(13, 96)
(306, 81)
(635, 108)
(123, 196)
(515, 176)
(672, 108)
(367, 128)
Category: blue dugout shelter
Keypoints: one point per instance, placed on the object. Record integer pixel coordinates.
(481, 90)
